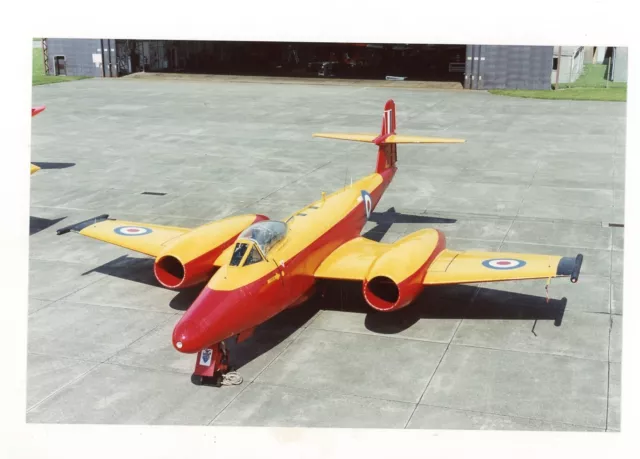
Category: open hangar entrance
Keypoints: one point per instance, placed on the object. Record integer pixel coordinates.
(416, 62)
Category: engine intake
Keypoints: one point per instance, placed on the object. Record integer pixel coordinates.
(169, 271)
(382, 293)
(189, 259)
(395, 278)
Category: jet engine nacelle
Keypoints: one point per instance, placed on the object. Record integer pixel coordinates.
(188, 259)
(395, 277)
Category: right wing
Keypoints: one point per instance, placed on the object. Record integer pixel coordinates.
(139, 237)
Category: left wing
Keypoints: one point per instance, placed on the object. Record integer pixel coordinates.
(451, 267)
(353, 259)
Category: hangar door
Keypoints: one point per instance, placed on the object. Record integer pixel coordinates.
(508, 67)
(415, 62)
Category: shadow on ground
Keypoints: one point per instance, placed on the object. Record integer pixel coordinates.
(46, 165)
(385, 220)
(37, 224)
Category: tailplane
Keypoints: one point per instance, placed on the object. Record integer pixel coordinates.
(387, 139)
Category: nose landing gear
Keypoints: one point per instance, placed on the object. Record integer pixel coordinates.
(212, 367)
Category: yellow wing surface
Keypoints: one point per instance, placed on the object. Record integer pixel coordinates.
(353, 260)
(451, 267)
(34, 169)
(394, 138)
(139, 237)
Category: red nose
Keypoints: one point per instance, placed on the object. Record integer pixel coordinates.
(214, 316)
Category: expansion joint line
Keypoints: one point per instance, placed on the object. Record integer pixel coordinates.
(473, 299)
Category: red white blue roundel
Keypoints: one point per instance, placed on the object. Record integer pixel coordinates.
(366, 198)
(504, 263)
(132, 230)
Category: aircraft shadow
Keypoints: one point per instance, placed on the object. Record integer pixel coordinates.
(141, 270)
(438, 302)
(385, 220)
(37, 224)
(46, 165)
(129, 268)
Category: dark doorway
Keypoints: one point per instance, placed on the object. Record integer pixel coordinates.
(373, 61)
(60, 65)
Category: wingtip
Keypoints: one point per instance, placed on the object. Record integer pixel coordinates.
(570, 266)
(77, 227)
(575, 274)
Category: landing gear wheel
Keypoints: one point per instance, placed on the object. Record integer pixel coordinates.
(197, 380)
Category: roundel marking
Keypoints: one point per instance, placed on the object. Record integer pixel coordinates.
(132, 230)
(366, 198)
(503, 263)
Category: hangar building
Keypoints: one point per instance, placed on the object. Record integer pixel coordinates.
(471, 66)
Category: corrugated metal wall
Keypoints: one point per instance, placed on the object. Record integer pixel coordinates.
(508, 67)
(83, 57)
(620, 63)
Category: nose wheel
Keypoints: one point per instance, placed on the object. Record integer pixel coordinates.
(212, 368)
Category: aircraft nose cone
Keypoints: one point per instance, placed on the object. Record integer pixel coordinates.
(212, 317)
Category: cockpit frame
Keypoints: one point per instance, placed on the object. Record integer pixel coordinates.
(262, 236)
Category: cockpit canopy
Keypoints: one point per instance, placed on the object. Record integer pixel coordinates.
(264, 234)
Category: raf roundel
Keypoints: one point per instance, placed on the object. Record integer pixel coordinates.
(366, 198)
(132, 230)
(504, 263)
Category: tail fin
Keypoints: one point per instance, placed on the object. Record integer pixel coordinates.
(387, 139)
(388, 119)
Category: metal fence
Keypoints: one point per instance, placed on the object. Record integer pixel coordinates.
(578, 73)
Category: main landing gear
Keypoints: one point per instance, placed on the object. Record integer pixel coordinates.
(212, 367)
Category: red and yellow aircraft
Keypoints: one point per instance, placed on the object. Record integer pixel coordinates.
(34, 112)
(257, 268)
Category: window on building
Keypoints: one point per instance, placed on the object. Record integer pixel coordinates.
(555, 63)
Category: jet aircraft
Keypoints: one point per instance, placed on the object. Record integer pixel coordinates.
(256, 268)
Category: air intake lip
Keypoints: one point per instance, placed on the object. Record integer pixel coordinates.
(169, 271)
(382, 293)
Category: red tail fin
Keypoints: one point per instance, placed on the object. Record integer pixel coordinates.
(387, 153)
(389, 119)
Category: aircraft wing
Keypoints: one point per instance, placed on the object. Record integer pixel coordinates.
(34, 169)
(139, 237)
(451, 267)
(353, 260)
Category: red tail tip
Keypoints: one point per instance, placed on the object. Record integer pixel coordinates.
(389, 118)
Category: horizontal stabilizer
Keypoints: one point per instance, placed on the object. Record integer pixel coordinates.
(391, 139)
